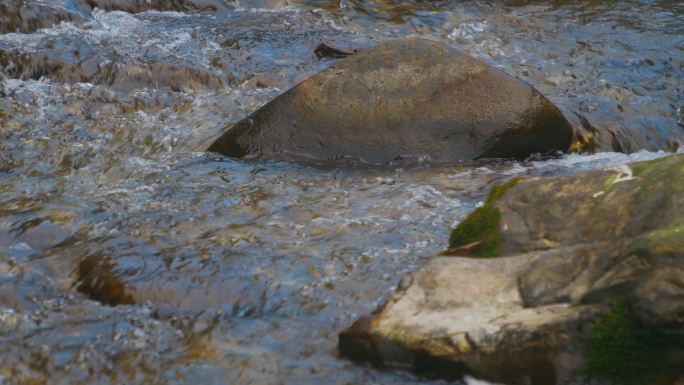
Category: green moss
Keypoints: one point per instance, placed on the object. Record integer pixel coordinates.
(610, 181)
(614, 352)
(479, 232)
(622, 351)
(668, 235)
(662, 166)
(499, 190)
(641, 167)
(666, 241)
(482, 225)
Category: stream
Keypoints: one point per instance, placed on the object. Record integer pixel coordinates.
(241, 272)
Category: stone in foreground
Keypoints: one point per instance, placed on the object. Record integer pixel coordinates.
(573, 250)
(458, 316)
(412, 99)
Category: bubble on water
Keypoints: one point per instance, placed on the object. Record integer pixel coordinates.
(468, 31)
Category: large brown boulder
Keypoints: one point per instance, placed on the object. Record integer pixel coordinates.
(578, 274)
(408, 98)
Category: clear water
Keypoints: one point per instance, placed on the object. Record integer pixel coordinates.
(246, 272)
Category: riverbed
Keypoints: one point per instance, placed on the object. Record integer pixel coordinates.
(245, 272)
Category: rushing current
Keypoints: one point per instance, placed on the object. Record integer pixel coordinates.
(243, 272)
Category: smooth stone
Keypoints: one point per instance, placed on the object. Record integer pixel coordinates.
(412, 99)
(458, 316)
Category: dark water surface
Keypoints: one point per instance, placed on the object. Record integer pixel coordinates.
(244, 273)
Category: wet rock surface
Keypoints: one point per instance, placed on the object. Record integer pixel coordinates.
(26, 16)
(405, 99)
(572, 247)
(23, 288)
(137, 6)
(142, 52)
(134, 75)
(110, 283)
(458, 316)
(109, 345)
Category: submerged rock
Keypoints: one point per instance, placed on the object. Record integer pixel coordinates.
(58, 66)
(603, 131)
(112, 282)
(136, 6)
(23, 287)
(405, 99)
(73, 339)
(29, 15)
(575, 248)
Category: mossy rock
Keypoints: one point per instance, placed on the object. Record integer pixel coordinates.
(668, 241)
(640, 167)
(478, 235)
(499, 190)
(575, 245)
(623, 351)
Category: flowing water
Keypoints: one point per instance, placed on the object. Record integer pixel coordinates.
(227, 272)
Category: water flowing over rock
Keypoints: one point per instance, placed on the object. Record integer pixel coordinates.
(405, 99)
(136, 6)
(572, 248)
(122, 75)
(108, 282)
(127, 257)
(27, 16)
